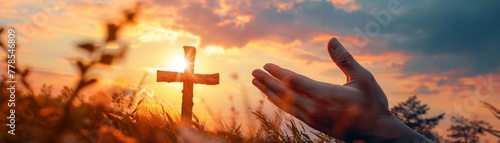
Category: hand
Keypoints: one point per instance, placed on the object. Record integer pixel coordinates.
(357, 110)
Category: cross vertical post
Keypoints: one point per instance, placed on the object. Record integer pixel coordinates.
(187, 91)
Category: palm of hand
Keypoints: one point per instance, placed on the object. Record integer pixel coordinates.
(343, 111)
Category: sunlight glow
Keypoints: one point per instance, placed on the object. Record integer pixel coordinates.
(177, 64)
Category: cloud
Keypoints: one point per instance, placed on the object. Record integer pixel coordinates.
(461, 40)
(310, 58)
(441, 82)
(264, 21)
(455, 41)
(439, 39)
(347, 5)
(202, 21)
(425, 90)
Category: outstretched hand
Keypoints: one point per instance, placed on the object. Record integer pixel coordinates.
(357, 110)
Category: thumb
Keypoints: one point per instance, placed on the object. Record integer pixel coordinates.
(344, 60)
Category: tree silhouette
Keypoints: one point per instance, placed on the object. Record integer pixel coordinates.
(466, 131)
(410, 113)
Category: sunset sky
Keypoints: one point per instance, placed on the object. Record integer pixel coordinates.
(446, 52)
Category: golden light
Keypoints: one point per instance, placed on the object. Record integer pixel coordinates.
(178, 64)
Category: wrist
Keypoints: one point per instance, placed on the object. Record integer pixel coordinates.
(391, 129)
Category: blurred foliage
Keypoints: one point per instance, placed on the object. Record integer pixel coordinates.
(496, 112)
(97, 55)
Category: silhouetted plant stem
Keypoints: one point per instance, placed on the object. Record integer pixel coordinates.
(496, 113)
(84, 66)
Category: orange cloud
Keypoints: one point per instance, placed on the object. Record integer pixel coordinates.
(346, 5)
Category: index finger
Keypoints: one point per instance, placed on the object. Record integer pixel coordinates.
(299, 82)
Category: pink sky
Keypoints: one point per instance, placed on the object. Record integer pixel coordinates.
(235, 37)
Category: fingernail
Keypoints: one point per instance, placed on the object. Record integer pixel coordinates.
(269, 66)
(256, 73)
(254, 81)
(334, 44)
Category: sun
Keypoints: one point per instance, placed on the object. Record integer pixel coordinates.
(178, 64)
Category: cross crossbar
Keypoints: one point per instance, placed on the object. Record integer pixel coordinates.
(168, 76)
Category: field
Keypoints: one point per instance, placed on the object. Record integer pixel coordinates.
(39, 117)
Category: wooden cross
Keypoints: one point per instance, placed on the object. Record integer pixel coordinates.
(189, 79)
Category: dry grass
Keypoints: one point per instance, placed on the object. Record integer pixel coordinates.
(123, 122)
